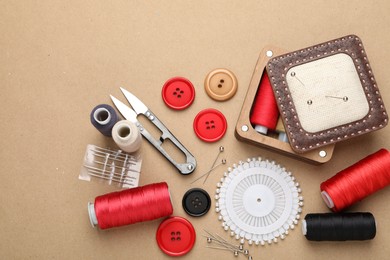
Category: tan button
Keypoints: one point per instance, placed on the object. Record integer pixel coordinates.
(221, 84)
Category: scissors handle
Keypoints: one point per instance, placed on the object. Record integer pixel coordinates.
(184, 168)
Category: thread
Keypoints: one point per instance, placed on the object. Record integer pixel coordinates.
(103, 118)
(127, 136)
(357, 181)
(339, 226)
(265, 112)
(130, 206)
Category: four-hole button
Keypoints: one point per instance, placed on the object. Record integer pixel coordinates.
(175, 236)
(178, 93)
(196, 202)
(210, 125)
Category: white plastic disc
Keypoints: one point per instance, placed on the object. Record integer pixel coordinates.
(259, 201)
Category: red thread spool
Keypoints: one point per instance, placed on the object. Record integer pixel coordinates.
(131, 206)
(265, 111)
(357, 181)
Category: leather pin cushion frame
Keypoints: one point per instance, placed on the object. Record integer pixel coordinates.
(326, 93)
(245, 132)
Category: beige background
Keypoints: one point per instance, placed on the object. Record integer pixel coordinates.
(61, 58)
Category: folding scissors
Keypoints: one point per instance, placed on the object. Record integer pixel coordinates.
(140, 108)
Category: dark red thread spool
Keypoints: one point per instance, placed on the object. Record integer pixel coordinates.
(265, 111)
(357, 181)
(131, 206)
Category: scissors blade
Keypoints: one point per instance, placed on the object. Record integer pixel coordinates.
(126, 112)
(138, 106)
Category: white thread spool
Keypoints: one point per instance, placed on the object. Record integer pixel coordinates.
(127, 136)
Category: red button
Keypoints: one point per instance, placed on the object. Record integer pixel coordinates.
(176, 236)
(178, 93)
(210, 125)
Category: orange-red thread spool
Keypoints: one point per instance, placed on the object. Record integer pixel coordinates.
(357, 181)
(265, 111)
(131, 206)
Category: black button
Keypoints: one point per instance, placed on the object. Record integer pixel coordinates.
(196, 202)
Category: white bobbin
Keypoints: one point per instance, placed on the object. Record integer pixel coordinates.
(92, 214)
(327, 199)
(304, 227)
(127, 136)
(102, 116)
(261, 129)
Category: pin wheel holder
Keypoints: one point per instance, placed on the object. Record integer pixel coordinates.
(258, 201)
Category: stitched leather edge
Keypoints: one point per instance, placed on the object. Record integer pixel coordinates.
(302, 140)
